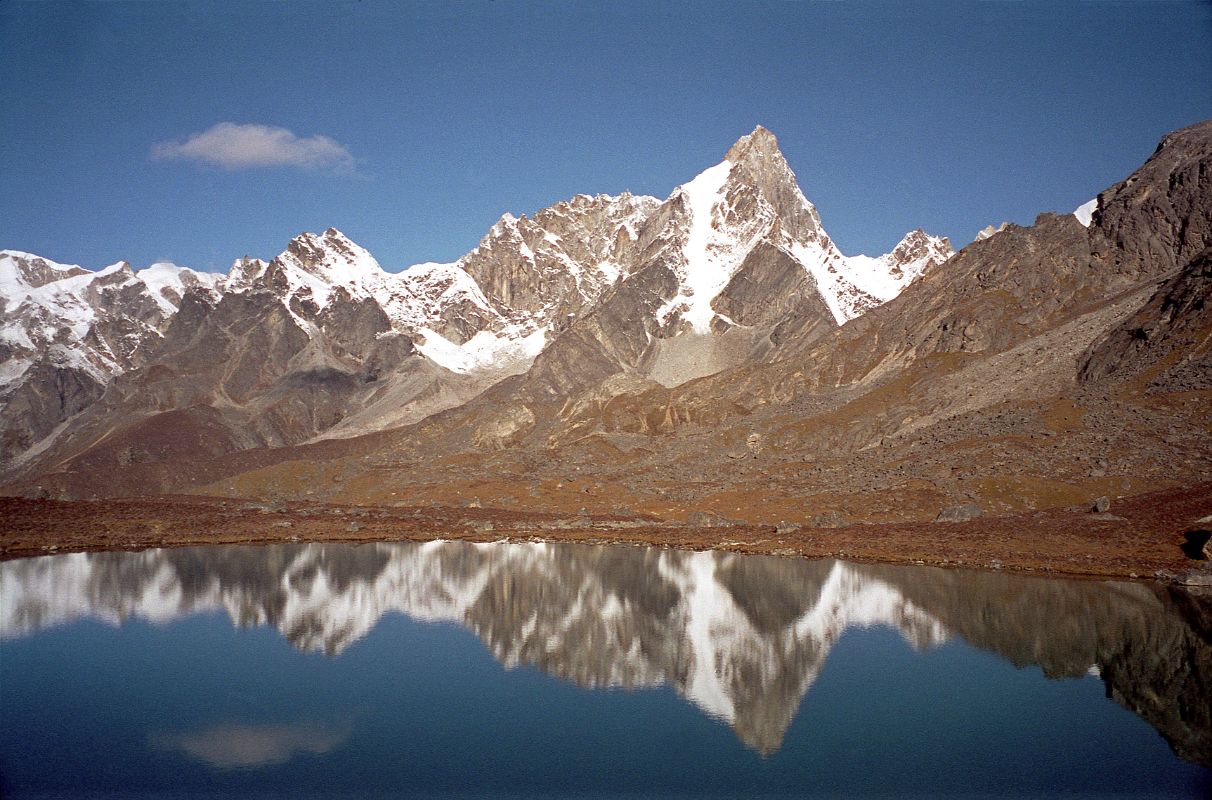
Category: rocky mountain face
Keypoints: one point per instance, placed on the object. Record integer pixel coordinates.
(65, 331)
(560, 262)
(713, 353)
(727, 263)
(966, 386)
(321, 342)
(1040, 367)
(741, 637)
(1168, 342)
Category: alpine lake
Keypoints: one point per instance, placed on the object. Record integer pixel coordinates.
(450, 669)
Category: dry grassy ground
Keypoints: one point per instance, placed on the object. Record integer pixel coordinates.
(1140, 537)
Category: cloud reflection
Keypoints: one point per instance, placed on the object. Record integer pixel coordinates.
(240, 746)
(742, 637)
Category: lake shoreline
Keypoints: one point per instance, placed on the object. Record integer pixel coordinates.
(1140, 537)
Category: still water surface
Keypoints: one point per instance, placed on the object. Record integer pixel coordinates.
(450, 669)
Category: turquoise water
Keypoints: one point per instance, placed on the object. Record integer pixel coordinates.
(541, 670)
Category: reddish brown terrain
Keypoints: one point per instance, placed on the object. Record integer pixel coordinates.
(1140, 537)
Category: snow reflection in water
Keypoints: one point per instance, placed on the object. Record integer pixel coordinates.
(742, 637)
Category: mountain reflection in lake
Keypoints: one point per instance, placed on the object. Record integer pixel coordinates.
(746, 639)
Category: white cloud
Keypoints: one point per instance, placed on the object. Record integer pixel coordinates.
(234, 146)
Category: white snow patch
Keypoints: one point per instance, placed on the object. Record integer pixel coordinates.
(1085, 212)
(709, 254)
(167, 283)
(503, 349)
(711, 620)
(330, 260)
(417, 297)
(871, 275)
(526, 252)
(851, 285)
(609, 271)
(816, 260)
(163, 276)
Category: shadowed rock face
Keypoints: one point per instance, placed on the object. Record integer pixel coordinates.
(1170, 336)
(1159, 218)
(771, 291)
(245, 370)
(64, 331)
(742, 637)
(1159, 222)
(46, 397)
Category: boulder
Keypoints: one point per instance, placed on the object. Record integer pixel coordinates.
(960, 513)
(707, 519)
(1198, 544)
(829, 519)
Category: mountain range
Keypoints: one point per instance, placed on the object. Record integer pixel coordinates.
(713, 353)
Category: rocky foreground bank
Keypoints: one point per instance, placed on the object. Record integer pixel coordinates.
(1157, 536)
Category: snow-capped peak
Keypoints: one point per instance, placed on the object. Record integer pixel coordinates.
(507, 223)
(852, 285)
(760, 143)
(311, 268)
(245, 273)
(1085, 212)
(495, 307)
(20, 270)
(989, 230)
(911, 257)
(168, 283)
(93, 321)
(753, 196)
(723, 213)
(332, 257)
(417, 297)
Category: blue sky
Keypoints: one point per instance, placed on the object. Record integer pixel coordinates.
(412, 128)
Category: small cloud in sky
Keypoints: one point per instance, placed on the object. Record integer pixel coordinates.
(234, 146)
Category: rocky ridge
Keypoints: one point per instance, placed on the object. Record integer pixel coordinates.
(966, 388)
(322, 342)
(65, 331)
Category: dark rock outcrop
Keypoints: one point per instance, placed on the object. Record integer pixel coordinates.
(1168, 341)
